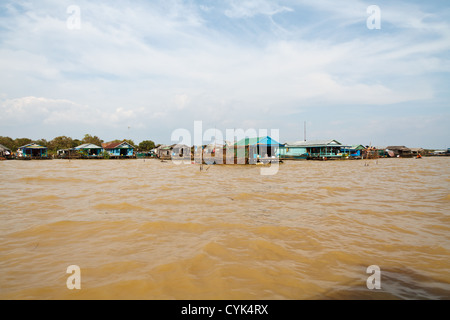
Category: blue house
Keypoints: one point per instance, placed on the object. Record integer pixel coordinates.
(32, 150)
(293, 151)
(257, 149)
(119, 149)
(314, 149)
(355, 151)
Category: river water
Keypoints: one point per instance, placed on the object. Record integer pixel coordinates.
(146, 229)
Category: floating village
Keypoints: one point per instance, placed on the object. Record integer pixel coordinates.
(245, 151)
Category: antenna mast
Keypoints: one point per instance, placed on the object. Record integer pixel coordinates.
(304, 130)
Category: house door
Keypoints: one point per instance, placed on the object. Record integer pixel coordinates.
(269, 151)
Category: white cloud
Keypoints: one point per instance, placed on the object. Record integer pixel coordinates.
(135, 62)
(181, 101)
(28, 110)
(250, 8)
(124, 45)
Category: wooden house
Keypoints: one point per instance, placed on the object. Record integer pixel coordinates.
(214, 153)
(399, 152)
(164, 152)
(181, 152)
(119, 149)
(381, 151)
(417, 152)
(5, 153)
(67, 154)
(174, 151)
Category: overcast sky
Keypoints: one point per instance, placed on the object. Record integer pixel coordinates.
(141, 69)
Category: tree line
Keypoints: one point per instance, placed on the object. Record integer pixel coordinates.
(63, 142)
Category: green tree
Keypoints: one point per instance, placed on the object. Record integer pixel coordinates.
(20, 142)
(41, 142)
(92, 139)
(8, 142)
(105, 155)
(61, 142)
(129, 141)
(146, 145)
(124, 140)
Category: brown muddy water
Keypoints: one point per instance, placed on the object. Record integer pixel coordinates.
(154, 230)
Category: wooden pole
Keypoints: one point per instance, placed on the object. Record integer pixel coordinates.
(304, 130)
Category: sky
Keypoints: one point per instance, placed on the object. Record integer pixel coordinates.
(142, 69)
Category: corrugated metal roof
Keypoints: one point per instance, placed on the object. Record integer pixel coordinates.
(397, 148)
(355, 147)
(314, 143)
(3, 148)
(117, 145)
(87, 146)
(257, 141)
(164, 147)
(110, 145)
(32, 146)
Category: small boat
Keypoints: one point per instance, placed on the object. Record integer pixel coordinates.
(419, 156)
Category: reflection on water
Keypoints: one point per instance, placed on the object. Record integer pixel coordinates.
(154, 230)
